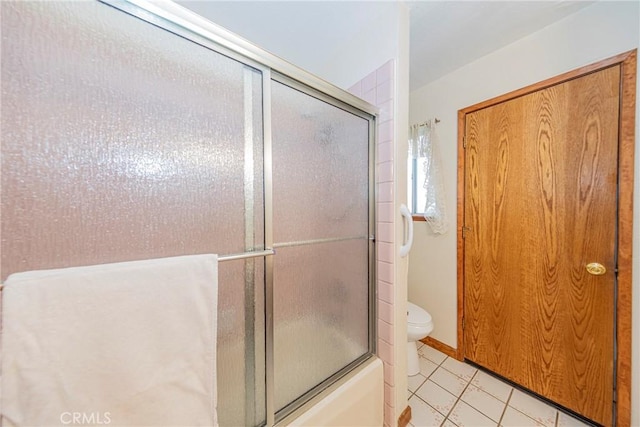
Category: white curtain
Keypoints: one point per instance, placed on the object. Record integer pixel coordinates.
(423, 146)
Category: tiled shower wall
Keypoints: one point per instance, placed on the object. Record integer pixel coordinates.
(378, 89)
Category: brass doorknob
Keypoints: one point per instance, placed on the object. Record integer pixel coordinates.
(596, 269)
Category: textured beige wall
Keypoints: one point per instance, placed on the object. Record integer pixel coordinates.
(596, 32)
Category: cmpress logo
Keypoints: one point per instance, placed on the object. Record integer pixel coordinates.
(85, 418)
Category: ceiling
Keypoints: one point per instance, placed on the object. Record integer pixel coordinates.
(444, 35)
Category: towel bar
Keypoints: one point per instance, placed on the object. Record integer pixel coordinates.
(246, 255)
(231, 257)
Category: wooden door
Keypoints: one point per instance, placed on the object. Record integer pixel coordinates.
(540, 190)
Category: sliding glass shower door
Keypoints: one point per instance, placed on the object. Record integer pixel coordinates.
(126, 135)
(122, 141)
(321, 234)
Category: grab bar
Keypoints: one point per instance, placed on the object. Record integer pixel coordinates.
(404, 249)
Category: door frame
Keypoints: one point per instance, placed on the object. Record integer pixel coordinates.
(624, 244)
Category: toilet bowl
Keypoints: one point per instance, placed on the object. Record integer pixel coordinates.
(419, 326)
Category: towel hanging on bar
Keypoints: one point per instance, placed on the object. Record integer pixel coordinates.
(230, 257)
(134, 342)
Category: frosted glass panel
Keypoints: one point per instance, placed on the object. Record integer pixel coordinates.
(123, 141)
(241, 343)
(320, 313)
(321, 166)
(321, 279)
(120, 140)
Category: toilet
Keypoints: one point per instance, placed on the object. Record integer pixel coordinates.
(419, 326)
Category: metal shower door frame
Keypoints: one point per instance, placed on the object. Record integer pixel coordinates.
(184, 23)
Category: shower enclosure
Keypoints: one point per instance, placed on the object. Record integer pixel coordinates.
(134, 130)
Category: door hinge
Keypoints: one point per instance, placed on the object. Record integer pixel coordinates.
(463, 323)
(464, 231)
(464, 142)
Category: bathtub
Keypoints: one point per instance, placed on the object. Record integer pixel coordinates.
(355, 400)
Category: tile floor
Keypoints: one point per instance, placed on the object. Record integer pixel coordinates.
(449, 393)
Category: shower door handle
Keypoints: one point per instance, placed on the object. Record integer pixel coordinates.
(406, 214)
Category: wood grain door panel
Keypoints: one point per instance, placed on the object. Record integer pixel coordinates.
(540, 203)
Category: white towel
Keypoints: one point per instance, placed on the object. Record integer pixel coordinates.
(126, 344)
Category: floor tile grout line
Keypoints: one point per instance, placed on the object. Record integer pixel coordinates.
(439, 386)
(527, 415)
(469, 382)
(490, 393)
(483, 391)
(471, 406)
(541, 402)
(430, 406)
(430, 360)
(447, 419)
(432, 372)
(453, 373)
(446, 416)
(421, 384)
(459, 397)
(506, 405)
(434, 362)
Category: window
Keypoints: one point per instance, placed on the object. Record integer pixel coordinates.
(416, 193)
(425, 187)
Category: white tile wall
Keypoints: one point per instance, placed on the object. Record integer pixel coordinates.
(378, 89)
